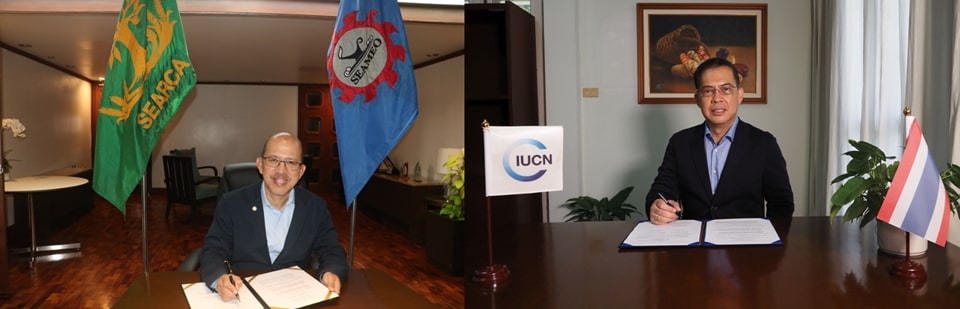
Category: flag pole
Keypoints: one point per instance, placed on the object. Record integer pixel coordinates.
(143, 217)
(913, 274)
(492, 275)
(353, 223)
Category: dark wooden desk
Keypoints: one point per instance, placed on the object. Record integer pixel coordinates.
(366, 288)
(820, 265)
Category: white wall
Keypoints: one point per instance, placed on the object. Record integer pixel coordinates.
(55, 109)
(612, 142)
(440, 123)
(227, 123)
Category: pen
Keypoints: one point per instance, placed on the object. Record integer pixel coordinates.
(226, 264)
(679, 213)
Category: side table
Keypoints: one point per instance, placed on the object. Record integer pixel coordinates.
(31, 185)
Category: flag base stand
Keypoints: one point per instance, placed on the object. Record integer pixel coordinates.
(912, 274)
(492, 275)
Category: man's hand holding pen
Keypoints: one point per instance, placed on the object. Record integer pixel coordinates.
(665, 211)
(228, 285)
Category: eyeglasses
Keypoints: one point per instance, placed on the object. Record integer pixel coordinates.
(710, 91)
(274, 162)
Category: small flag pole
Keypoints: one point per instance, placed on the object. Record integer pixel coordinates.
(913, 273)
(353, 223)
(492, 274)
(143, 217)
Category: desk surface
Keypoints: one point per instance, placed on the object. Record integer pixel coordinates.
(42, 183)
(820, 265)
(366, 288)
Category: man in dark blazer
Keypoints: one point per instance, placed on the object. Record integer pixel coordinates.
(723, 168)
(272, 225)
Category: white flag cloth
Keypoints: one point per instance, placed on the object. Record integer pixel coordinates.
(523, 159)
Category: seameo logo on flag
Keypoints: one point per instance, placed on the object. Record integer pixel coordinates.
(362, 56)
(523, 159)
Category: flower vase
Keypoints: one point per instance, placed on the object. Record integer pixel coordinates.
(6, 176)
(891, 240)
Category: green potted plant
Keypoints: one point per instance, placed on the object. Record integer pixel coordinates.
(443, 238)
(864, 187)
(586, 208)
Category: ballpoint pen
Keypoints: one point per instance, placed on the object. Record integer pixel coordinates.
(679, 213)
(226, 264)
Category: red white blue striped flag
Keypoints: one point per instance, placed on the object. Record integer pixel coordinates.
(917, 201)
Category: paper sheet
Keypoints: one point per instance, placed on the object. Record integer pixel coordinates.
(199, 296)
(677, 233)
(752, 231)
(290, 288)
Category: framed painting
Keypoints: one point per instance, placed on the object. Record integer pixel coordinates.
(673, 39)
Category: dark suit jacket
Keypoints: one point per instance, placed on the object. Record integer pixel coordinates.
(238, 235)
(755, 171)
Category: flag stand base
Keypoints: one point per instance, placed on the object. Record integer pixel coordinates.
(912, 274)
(492, 275)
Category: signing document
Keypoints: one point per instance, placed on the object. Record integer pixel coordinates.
(200, 296)
(285, 288)
(693, 233)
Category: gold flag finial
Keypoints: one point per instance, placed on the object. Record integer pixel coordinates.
(485, 123)
(906, 111)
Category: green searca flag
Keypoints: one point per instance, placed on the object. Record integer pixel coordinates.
(148, 76)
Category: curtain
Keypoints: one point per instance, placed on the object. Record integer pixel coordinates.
(860, 68)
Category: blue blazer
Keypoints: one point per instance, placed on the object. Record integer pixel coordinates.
(753, 183)
(237, 234)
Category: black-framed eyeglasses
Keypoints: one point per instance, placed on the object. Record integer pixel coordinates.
(709, 91)
(274, 162)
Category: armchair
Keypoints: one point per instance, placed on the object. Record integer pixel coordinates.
(192, 154)
(182, 185)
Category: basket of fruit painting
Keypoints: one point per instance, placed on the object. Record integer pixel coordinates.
(674, 39)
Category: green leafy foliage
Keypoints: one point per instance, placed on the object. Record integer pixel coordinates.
(868, 178)
(453, 184)
(585, 208)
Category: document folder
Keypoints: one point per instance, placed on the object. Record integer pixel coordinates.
(694, 233)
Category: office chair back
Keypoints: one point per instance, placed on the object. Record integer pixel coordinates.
(238, 175)
(191, 262)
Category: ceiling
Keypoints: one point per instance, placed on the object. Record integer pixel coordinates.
(229, 41)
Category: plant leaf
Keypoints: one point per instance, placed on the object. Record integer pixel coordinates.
(849, 191)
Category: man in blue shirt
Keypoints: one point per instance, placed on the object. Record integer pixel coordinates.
(271, 225)
(724, 167)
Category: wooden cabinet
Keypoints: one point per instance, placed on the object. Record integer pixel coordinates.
(398, 200)
(500, 87)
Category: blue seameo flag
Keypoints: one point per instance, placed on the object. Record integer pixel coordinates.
(372, 85)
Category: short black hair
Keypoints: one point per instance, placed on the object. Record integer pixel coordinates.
(714, 63)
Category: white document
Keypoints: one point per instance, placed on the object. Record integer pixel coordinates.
(718, 232)
(751, 231)
(199, 296)
(677, 233)
(290, 288)
(284, 288)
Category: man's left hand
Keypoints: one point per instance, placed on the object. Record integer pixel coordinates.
(332, 281)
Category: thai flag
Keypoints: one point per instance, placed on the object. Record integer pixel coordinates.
(917, 201)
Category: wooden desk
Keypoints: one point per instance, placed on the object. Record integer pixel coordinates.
(34, 184)
(820, 265)
(366, 288)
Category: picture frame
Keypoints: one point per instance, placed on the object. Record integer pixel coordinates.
(698, 31)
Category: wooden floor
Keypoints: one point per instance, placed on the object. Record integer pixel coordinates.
(111, 256)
